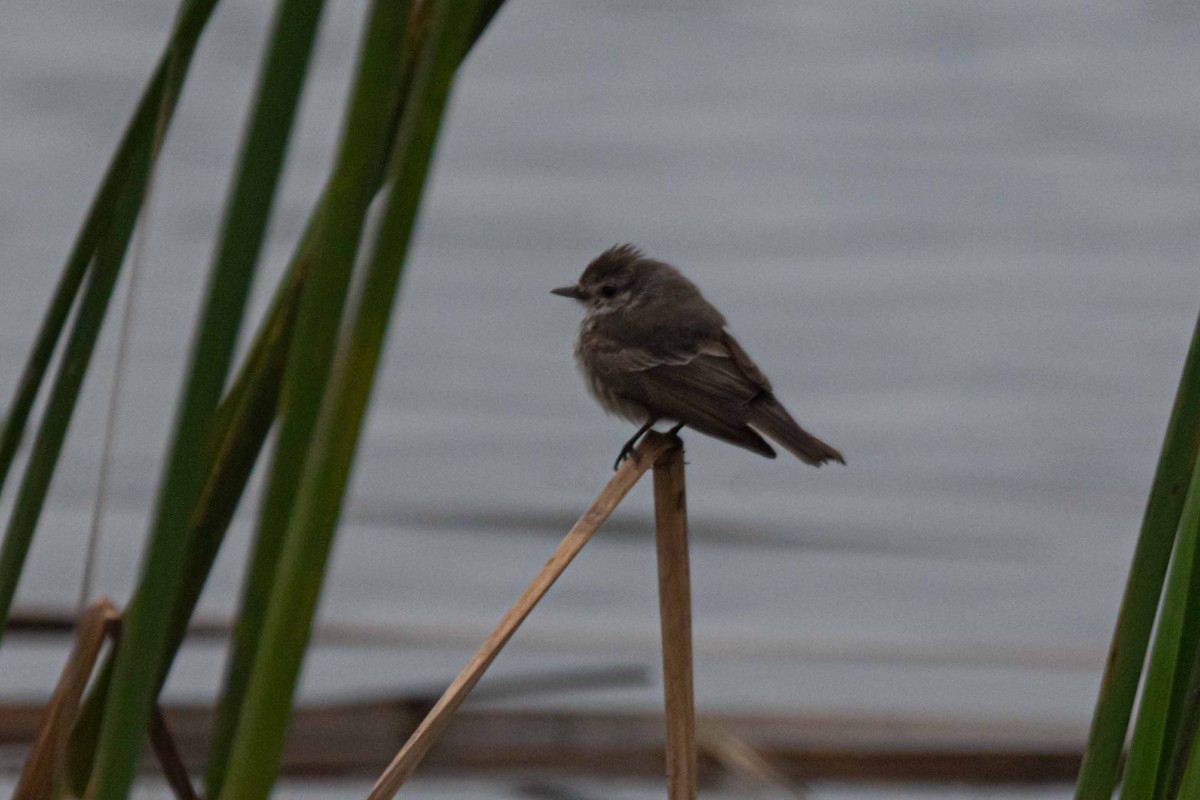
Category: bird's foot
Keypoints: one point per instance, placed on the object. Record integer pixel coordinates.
(626, 452)
(628, 448)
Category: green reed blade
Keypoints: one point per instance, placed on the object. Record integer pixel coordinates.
(341, 214)
(138, 659)
(384, 78)
(151, 116)
(1174, 652)
(52, 433)
(1189, 723)
(1110, 721)
(237, 432)
(102, 242)
(1189, 788)
(240, 429)
(258, 743)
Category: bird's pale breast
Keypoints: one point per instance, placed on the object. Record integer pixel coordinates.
(591, 349)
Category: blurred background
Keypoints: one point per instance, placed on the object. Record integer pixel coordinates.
(961, 238)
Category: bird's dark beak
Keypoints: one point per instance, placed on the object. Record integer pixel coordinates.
(568, 291)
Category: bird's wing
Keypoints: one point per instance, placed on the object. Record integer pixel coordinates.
(711, 383)
(744, 362)
(709, 387)
(723, 352)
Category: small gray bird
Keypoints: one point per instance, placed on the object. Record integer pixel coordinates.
(652, 348)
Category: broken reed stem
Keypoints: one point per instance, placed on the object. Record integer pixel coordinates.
(169, 759)
(49, 748)
(41, 774)
(675, 609)
(431, 728)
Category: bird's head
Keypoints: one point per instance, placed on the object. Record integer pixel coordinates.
(612, 281)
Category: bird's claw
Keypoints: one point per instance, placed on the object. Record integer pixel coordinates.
(627, 449)
(626, 452)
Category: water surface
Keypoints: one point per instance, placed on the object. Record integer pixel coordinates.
(960, 238)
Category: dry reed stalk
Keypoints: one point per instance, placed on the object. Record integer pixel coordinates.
(48, 753)
(675, 609)
(40, 777)
(439, 717)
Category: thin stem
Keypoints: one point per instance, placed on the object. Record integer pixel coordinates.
(435, 722)
(675, 609)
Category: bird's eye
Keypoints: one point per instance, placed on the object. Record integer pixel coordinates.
(608, 290)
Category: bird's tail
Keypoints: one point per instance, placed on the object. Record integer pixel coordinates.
(771, 419)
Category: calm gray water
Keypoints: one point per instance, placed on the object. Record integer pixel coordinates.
(961, 238)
